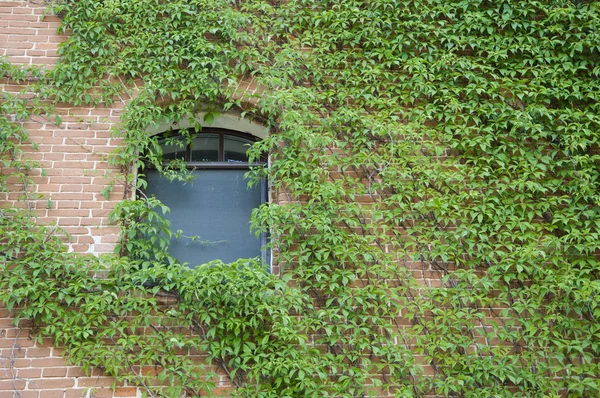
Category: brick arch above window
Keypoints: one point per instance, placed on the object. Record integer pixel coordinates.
(230, 120)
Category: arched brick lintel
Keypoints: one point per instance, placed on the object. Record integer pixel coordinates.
(227, 120)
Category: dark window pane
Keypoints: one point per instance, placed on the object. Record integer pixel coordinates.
(205, 148)
(235, 149)
(217, 207)
(173, 149)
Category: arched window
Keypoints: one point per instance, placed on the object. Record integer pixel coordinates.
(216, 206)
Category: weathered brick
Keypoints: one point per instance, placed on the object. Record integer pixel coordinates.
(28, 394)
(47, 362)
(95, 381)
(11, 385)
(38, 352)
(18, 41)
(53, 393)
(29, 373)
(125, 392)
(75, 371)
(55, 372)
(19, 343)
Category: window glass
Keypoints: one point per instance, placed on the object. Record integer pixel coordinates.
(235, 148)
(216, 207)
(205, 148)
(172, 149)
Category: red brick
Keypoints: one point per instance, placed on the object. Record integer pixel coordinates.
(52, 394)
(20, 31)
(103, 393)
(43, 61)
(100, 213)
(13, 353)
(16, 43)
(125, 392)
(18, 344)
(90, 221)
(57, 39)
(51, 383)
(68, 221)
(8, 17)
(54, 156)
(75, 371)
(14, 332)
(44, 25)
(71, 188)
(76, 156)
(104, 248)
(84, 239)
(77, 248)
(69, 213)
(22, 10)
(29, 373)
(72, 196)
(110, 239)
(70, 180)
(11, 385)
(38, 352)
(78, 393)
(95, 381)
(19, 24)
(51, 19)
(55, 372)
(90, 205)
(47, 362)
(48, 187)
(28, 394)
(67, 204)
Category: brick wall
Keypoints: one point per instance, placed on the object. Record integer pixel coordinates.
(26, 37)
(73, 157)
(32, 370)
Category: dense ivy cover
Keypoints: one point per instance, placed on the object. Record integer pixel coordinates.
(452, 139)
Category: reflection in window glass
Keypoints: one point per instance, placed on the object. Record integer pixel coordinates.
(205, 148)
(235, 149)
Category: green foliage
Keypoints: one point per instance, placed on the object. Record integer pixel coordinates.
(147, 324)
(442, 169)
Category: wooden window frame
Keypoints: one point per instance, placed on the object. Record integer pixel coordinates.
(220, 164)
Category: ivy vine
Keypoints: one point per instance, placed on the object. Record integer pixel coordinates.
(441, 166)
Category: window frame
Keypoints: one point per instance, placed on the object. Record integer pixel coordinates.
(220, 164)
